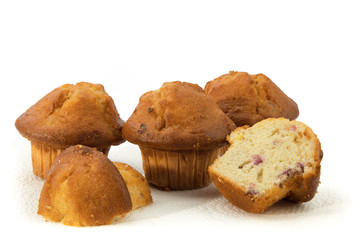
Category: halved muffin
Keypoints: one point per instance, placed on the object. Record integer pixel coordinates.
(274, 159)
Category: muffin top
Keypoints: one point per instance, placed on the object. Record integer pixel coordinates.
(248, 99)
(73, 114)
(83, 188)
(178, 116)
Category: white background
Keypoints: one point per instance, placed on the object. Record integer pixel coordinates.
(310, 49)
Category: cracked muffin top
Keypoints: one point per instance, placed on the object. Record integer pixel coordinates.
(83, 188)
(73, 114)
(248, 99)
(178, 116)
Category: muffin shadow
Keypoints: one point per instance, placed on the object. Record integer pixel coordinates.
(326, 202)
(323, 203)
(174, 202)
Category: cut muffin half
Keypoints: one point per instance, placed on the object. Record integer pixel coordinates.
(274, 159)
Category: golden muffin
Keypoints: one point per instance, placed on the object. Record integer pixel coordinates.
(137, 185)
(180, 131)
(274, 159)
(83, 188)
(248, 99)
(71, 114)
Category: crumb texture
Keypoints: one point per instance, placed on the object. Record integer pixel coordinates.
(274, 159)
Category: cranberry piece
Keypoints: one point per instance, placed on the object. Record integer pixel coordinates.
(252, 192)
(257, 159)
(293, 128)
(142, 128)
(299, 164)
(286, 172)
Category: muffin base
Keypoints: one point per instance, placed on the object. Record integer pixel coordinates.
(43, 156)
(178, 170)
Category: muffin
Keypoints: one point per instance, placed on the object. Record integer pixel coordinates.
(248, 99)
(272, 160)
(71, 114)
(137, 185)
(180, 131)
(83, 188)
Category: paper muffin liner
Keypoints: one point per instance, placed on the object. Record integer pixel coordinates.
(43, 156)
(176, 170)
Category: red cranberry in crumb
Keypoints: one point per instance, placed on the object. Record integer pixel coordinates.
(252, 192)
(299, 164)
(293, 128)
(286, 172)
(257, 159)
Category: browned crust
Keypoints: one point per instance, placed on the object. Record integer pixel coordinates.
(305, 186)
(178, 116)
(239, 197)
(83, 188)
(73, 114)
(248, 99)
(137, 185)
(299, 188)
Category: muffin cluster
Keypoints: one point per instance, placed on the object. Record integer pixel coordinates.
(182, 130)
(71, 130)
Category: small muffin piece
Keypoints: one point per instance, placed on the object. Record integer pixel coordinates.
(274, 159)
(137, 185)
(83, 188)
(180, 131)
(71, 114)
(248, 99)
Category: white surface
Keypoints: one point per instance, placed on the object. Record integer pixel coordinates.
(309, 49)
